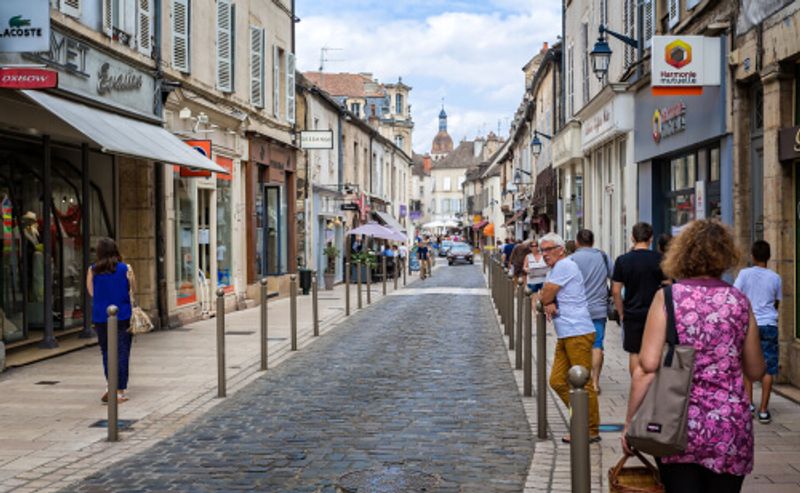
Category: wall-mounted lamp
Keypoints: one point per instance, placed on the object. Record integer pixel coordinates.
(536, 144)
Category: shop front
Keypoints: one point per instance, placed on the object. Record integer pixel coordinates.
(789, 155)
(568, 164)
(684, 158)
(329, 230)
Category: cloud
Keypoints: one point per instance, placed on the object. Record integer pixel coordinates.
(470, 53)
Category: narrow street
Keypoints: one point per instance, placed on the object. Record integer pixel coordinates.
(415, 390)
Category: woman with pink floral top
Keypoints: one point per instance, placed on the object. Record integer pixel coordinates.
(716, 319)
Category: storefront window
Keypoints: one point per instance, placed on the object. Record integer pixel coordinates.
(275, 234)
(683, 172)
(680, 211)
(713, 165)
(68, 260)
(185, 249)
(224, 227)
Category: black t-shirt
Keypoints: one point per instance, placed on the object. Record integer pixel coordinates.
(640, 272)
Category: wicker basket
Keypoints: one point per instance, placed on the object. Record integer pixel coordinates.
(637, 479)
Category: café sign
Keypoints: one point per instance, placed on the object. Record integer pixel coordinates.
(24, 25)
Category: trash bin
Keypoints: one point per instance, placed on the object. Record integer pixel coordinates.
(305, 280)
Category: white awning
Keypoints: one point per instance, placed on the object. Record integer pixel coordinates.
(390, 221)
(117, 134)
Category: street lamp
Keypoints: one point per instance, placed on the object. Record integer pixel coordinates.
(601, 53)
(536, 144)
(518, 176)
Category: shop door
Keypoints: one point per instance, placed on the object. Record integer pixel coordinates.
(272, 229)
(204, 199)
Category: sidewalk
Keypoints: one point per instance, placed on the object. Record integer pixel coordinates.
(47, 409)
(777, 461)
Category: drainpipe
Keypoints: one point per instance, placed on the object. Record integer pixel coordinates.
(158, 180)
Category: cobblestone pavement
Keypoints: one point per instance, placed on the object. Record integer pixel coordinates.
(415, 383)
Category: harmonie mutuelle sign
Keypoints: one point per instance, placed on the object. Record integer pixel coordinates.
(680, 62)
(24, 26)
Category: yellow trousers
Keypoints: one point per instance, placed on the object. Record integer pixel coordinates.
(571, 351)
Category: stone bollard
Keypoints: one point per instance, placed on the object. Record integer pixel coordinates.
(315, 302)
(383, 272)
(579, 430)
(520, 318)
(113, 372)
(221, 390)
(394, 270)
(293, 308)
(527, 345)
(511, 289)
(541, 372)
(264, 320)
(359, 268)
(403, 266)
(369, 284)
(347, 267)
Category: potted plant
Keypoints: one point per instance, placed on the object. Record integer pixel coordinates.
(331, 253)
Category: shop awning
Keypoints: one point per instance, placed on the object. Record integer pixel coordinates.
(117, 134)
(476, 227)
(489, 230)
(514, 218)
(388, 220)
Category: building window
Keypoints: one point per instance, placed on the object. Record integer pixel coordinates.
(398, 104)
(461, 180)
(290, 87)
(185, 245)
(446, 184)
(398, 141)
(355, 108)
(181, 35)
(585, 61)
(257, 66)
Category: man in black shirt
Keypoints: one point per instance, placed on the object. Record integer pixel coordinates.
(639, 272)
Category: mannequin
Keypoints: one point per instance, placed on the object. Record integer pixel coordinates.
(35, 249)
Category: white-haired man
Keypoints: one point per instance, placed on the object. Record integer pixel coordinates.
(564, 300)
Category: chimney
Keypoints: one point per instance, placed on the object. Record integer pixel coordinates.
(426, 163)
(544, 47)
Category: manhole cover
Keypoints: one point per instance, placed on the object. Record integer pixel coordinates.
(387, 479)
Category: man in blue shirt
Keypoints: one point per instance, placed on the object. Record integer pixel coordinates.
(507, 249)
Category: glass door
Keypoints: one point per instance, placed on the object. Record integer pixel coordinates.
(272, 229)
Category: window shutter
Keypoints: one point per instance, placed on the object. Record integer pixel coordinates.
(649, 22)
(290, 76)
(674, 11)
(257, 66)
(629, 22)
(143, 29)
(224, 46)
(108, 17)
(180, 35)
(71, 7)
(276, 81)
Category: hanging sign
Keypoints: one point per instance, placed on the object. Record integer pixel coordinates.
(204, 148)
(24, 26)
(685, 61)
(28, 78)
(316, 139)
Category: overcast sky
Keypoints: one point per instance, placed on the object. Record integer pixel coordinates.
(469, 52)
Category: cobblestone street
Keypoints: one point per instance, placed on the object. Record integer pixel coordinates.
(418, 383)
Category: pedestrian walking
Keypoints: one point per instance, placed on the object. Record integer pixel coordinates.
(422, 255)
(715, 318)
(535, 268)
(431, 258)
(639, 273)
(507, 249)
(596, 269)
(763, 288)
(570, 247)
(564, 301)
(517, 261)
(663, 243)
(110, 281)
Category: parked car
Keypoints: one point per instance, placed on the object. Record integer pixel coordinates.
(444, 247)
(460, 252)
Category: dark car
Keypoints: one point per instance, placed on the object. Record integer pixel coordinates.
(459, 252)
(444, 247)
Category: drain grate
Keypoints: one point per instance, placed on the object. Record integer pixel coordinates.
(240, 332)
(122, 424)
(47, 382)
(386, 479)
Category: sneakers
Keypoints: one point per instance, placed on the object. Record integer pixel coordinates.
(752, 409)
(764, 417)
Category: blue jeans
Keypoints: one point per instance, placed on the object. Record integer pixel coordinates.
(124, 340)
(599, 332)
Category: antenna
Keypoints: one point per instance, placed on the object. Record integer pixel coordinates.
(323, 57)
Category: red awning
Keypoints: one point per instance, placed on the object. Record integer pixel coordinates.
(514, 218)
(476, 227)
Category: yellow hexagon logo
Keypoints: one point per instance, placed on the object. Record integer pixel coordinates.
(678, 54)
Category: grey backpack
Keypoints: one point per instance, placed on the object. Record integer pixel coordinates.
(660, 426)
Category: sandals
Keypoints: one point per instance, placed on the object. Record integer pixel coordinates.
(121, 397)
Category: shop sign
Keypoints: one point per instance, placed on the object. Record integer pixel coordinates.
(349, 206)
(28, 78)
(684, 61)
(612, 119)
(316, 139)
(789, 144)
(668, 121)
(93, 74)
(204, 148)
(24, 25)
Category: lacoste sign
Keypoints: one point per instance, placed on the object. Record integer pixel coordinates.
(24, 25)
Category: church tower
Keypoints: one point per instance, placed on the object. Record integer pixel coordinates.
(442, 143)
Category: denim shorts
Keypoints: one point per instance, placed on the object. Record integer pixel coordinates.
(599, 332)
(535, 288)
(769, 346)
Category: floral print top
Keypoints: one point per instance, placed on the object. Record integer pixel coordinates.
(713, 316)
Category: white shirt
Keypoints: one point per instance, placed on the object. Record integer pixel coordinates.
(573, 317)
(763, 288)
(537, 271)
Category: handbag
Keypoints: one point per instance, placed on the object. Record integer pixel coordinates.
(140, 322)
(611, 309)
(634, 479)
(660, 425)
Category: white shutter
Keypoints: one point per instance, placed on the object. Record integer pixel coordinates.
(629, 24)
(257, 66)
(290, 87)
(144, 29)
(276, 81)
(108, 17)
(71, 7)
(674, 12)
(180, 35)
(649, 22)
(224, 46)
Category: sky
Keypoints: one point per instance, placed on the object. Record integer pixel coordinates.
(469, 52)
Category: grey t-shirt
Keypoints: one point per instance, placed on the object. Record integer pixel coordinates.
(596, 268)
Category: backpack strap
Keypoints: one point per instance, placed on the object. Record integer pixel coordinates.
(672, 331)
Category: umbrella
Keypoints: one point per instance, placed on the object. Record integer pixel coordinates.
(451, 224)
(433, 225)
(377, 231)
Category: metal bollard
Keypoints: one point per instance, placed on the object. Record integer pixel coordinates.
(394, 270)
(113, 372)
(510, 302)
(359, 267)
(293, 308)
(403, 266)
(527, 345)
(520, 321)
(579, 429)
(512, 329)
(264, 319)
(541, 372)
(315, 302)
(369, 284)
(221, 390)
(383, 272)
(347, 288)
